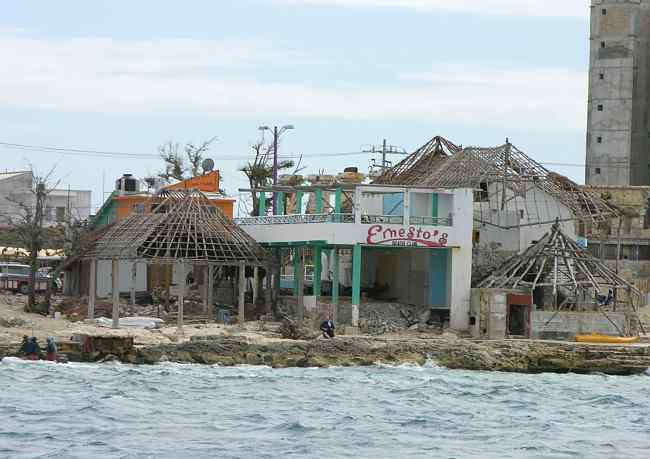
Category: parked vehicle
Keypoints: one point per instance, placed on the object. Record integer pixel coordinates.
(15, 277)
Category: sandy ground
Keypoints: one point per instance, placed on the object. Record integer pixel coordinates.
(22, 323)
(15, 323)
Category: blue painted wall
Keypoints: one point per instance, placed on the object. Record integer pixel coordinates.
(394, 204)
(438, 277)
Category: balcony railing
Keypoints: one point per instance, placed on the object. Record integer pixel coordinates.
(392, 219)
(431, 221)
(295, 219)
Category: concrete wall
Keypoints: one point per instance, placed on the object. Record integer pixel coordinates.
(566, 325)
(489, 309)
(619, 79)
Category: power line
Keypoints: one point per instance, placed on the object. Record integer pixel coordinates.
(116, 154)
(390, 150)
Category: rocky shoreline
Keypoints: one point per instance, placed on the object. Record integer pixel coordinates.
(522, 356)
(453, 353)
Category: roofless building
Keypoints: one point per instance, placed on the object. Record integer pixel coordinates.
(185, 229)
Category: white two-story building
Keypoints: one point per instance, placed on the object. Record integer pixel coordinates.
(374, 242)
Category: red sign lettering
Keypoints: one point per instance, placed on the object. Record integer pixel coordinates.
(411, 237)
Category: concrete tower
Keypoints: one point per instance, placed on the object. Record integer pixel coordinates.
(618, 126)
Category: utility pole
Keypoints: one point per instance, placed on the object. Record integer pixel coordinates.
(275, 168)
(276, 136)
(385, 150)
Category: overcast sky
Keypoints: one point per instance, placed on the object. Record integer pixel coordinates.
(126, 76)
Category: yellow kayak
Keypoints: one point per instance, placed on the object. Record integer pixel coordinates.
(595, 338)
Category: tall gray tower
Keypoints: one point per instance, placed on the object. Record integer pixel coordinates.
(618, 122)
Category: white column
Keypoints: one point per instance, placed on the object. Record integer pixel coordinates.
(209, 287)
(92, 288)
(134, 279)
(115, 281)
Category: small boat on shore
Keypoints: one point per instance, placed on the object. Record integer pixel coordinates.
(596, 338)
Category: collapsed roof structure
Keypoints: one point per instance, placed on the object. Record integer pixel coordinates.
(511, 189)
(419, 165)
(183, 226)
(571, 276)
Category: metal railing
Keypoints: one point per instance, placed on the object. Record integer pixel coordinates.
(431, 221)
(295, 219)
(393, 219)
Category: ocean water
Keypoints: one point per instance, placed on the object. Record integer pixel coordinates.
(190, 411)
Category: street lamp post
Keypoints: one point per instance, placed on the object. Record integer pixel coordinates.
(276, 136)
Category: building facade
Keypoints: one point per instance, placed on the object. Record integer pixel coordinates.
(61, 205)
(407, 244)
(618, 130)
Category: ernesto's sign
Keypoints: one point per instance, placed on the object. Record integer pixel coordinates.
(406, 237)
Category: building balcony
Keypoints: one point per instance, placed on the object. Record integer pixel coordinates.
(344, 218)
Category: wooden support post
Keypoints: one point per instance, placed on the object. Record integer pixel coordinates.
(115, 282)
(242, 294)
(134, 280)
(300, 282)
(206, 282)
(277, 271)
(182, 284)
(318, 270)
(92, 288)
(256, 284)
(335, 283)
(267, 290)
(210, 292)
(356, 284)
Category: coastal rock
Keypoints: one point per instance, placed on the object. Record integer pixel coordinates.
(455, 353)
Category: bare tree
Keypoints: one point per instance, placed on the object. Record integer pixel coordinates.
(28, 225)
(259, 171)
(181, 166)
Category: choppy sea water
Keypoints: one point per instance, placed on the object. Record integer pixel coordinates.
(176, 411)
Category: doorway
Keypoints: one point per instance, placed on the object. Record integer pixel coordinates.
(517, 320)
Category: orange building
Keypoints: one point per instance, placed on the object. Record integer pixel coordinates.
(128, 199)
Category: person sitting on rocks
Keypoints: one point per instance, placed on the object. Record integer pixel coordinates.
(327, 327)
(51, 350)
(24, 346)
(33, 350)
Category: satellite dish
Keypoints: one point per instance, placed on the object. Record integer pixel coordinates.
(207, 164)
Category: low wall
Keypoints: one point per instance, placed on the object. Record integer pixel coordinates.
(566, 325)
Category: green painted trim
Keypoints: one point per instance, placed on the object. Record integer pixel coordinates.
(261, 211)
(298, 208)
(434, 205)
(280, 205)
(318, 269)
(294, 243)
(335, 276)
(356, 275)
(296, 267)
(105, 212)
(338, 199)
(319, 201)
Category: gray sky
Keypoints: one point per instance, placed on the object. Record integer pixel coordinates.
(124, 76)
